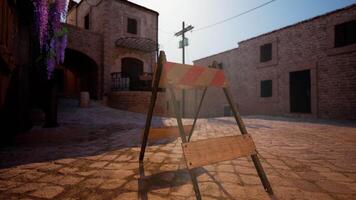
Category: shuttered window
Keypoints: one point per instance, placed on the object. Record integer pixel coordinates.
(227, 111)
(345, 34)
(266, 52)
(266, 88)
(132, 26)
(87, 22)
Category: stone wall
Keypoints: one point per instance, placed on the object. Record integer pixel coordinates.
(138, 101)
(90, 44)
(307, 45)
(109, 18)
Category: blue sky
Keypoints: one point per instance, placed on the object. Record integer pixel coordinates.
(200, 13)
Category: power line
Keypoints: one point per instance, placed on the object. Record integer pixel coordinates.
(233, 17)
(166, 32)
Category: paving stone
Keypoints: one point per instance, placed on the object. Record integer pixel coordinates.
(228, 177)
(124, 158)
(225, 168)
(98, 164)
(234, 190)
(70, 180)
(112, 184)
(306, 186)
(47, 192)
(92, 182)
(334, 176)
(12, 173)
(48, 167)
(68, 170)
(27, 187)
(108, 157)
(250, 180)
(51, 179)
(334, 187)
(6, 185)
(302, 161)
(114, 173)
(290, 193)
(85, 173)
(183, 190)
(127, 195)
(65, 161)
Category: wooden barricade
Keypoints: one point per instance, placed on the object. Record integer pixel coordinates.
(173, 76)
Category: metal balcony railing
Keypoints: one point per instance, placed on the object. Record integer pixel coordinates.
(122, 82)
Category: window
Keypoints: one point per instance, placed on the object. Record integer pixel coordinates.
(132, 26)
(266, 52)
(266, 88)
(345, 34)
(227, 111)
(86, 21)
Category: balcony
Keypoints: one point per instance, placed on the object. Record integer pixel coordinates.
(124, 82)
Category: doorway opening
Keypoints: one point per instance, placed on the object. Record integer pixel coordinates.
(299, 88)
(132, 68)
(79, 73)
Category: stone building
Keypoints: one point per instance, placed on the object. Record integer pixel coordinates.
(307, 69)
(112, 46)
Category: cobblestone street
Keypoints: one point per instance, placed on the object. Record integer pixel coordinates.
(94, 155)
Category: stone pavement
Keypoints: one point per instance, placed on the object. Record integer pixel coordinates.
(94, 155)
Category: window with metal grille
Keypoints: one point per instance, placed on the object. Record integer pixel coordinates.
(86, 21)
(132, 26)
(266, 88)
(266, 52)
(345, 34)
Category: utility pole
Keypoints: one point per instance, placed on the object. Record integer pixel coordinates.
(182, 45)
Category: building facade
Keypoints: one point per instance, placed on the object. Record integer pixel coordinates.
(307, 69)
(123, 37)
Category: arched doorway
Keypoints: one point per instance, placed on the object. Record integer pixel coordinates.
(133, 69)
(79, 73)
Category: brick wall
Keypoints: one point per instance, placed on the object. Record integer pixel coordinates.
(137, 101)
(308, 45)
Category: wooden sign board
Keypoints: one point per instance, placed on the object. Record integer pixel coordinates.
(214, 150)
(167, 132)
(182, 76)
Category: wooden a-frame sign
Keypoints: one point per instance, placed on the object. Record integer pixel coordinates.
(173, 76)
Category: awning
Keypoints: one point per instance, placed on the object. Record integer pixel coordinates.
(137, 43)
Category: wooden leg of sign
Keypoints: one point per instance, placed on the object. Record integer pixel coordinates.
(195, 185)
(197, 113)
(178, 115)
(161, 59)
(261, 173)
(184, 140)
(142, 189)
(148, 124)
(243, 130)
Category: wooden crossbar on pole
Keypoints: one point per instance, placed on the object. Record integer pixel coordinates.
(200, 153)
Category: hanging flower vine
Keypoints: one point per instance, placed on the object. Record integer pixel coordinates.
(52, 35)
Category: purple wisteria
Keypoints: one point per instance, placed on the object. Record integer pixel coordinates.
(52, 36)
(41, 17)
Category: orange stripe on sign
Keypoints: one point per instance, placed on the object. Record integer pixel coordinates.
(168, 66)
(219, 79)
(191, 76)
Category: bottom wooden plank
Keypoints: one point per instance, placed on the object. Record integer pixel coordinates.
(167, 132)
(214, 150)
